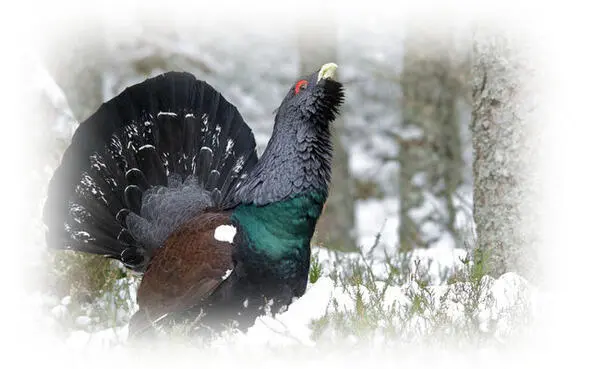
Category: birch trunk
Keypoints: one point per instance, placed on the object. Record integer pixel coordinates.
(429, 144)
(504, 146)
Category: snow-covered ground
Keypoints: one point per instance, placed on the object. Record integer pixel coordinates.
(492, 308)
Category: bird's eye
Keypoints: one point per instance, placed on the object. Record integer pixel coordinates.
(301, 85)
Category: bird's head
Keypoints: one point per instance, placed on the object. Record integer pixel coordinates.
(298, 156)
(315, 98)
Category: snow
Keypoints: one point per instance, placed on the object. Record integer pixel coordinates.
(83, 320)
(66, 300)
(375, 216)
(50, 89)
(498, 300)
(60, 311)
(100, 340)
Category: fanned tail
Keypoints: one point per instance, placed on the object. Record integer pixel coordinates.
(147, 161)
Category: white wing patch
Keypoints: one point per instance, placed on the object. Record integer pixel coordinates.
(227, 274)
(225, 233)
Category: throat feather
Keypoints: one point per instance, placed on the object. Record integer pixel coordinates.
(297, 161)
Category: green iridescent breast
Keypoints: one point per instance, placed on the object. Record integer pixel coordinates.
(282, 227)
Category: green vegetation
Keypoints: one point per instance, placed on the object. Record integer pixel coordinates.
(95, 293)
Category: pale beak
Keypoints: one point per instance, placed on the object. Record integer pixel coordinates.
(327, 71)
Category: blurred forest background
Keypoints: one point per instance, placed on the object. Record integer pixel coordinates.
(426, 153)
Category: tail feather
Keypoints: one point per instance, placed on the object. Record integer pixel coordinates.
(147, 161)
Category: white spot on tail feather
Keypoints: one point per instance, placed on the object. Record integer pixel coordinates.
(145, 147)
(169, 113)
(206, 148)
(129, 170)
(240, 161)
(225, 233)
(229, 146)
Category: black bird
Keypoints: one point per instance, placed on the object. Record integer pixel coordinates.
(165, 178)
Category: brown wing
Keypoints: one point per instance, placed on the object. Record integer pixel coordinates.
(187, 268)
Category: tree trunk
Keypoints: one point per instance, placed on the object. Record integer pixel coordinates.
(429, 144)
(504, 154)
(336, 227)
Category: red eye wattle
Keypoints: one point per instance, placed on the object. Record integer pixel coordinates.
(301, 85)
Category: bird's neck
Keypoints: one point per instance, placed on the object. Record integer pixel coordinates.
(297, 161)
